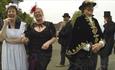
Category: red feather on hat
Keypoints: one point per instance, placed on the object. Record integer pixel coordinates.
(33, 9)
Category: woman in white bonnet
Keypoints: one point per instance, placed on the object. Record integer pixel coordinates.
(13, 50)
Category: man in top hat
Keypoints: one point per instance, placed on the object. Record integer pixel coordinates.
(86, 40)
(64, 37)
(66, 15)
(109, 30)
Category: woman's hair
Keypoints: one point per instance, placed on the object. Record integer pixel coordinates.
(11, 7)
(40, 10)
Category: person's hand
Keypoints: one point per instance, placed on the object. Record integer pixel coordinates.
(24, 39)
(96, 47)
(45, 46)
(7, 21)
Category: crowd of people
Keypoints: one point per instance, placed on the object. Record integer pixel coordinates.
(30, 47)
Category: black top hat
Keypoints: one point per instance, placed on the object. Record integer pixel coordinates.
(87, 4)
(107, 13)
(66, 15)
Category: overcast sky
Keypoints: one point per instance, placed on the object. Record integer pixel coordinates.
(54, 9)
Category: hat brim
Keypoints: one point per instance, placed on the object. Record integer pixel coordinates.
(87, 5)
(107, 16)
(66, 16)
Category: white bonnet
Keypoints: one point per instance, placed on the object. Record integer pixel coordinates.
(11, 4)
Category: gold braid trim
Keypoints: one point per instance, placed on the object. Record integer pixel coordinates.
(82, 45)
(76, 49)
(94, 29)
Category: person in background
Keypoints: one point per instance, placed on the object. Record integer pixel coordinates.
(114, 45)
(86, 39)
(1, 24)
(1, 21)
(64, 37)
(12, 35)
(41, 35)
(109, 31)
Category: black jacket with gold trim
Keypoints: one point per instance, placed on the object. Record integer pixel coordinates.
(84, 32)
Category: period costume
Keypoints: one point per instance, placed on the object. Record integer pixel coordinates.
(109, 31)
(39, 57)
(64, 38)
(14, 55)
(86, 32)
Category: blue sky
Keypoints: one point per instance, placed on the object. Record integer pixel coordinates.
(54, 9)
